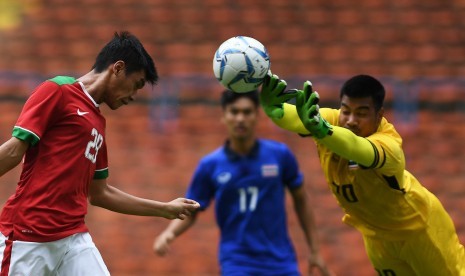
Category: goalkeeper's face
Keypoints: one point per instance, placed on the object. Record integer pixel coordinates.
(359, 115)
(240, 118)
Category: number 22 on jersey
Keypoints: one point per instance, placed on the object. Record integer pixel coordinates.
(93, 146)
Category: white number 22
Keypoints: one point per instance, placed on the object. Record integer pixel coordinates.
(95, 144)
(249, 195)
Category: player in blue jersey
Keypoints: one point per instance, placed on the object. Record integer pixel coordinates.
(247, 178)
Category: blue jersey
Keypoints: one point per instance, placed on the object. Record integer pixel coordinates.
(249, 194)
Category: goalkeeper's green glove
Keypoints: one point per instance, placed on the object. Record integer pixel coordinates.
(309, 112)
(273, 96)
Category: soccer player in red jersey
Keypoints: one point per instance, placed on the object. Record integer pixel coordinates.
(60, 133)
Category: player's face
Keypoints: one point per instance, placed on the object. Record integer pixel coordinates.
(122, 88)
(240, 119)
(359, 115)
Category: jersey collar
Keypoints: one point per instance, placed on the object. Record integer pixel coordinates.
(87, 94)
(232, 155)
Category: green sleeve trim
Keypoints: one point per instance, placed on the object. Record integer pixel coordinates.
(25, 135)
(101, 174)
(61, 80)
(377, 163)
(376, 157)
(384, 159)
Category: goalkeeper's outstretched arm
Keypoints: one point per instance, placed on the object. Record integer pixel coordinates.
(342, 141)
(349, 146)
(291, 121)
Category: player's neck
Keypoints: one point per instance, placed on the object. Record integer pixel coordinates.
(93, 82)
(242, 146)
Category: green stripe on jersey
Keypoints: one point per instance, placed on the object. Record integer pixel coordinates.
(101, 174)
(25, 135)
(61, 80)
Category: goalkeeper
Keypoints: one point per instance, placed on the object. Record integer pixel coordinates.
(405, 228)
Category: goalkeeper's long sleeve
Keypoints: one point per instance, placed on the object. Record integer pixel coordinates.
(349, 146)
(343, 142)
(291, 121)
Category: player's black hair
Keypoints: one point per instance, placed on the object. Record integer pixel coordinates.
(362, 86)
(126, 47)
(229, 97)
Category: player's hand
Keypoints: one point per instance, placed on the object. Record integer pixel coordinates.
(273, 96)
(181, 208)
(161, 245)
(309, 112)
(315, 262)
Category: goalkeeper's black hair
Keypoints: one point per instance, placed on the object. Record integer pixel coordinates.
(362, 86)
(126, 47)
(229, 97)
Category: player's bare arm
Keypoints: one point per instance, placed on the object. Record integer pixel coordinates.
(106, 196)
(307, 223)
(11, 154)
(161, 245)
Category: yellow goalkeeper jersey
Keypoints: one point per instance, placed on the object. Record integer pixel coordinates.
(383, 200)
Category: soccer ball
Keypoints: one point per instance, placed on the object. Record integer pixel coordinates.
(241, 63)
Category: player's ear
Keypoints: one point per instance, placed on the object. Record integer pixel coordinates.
(118, 67)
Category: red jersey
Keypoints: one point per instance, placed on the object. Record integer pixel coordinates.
(66, 131)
